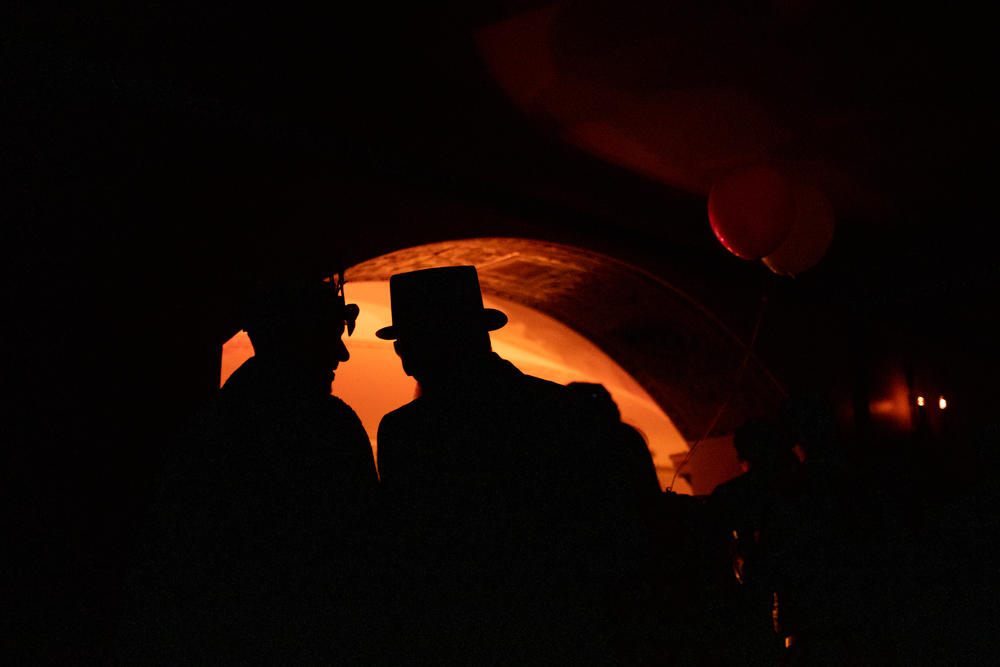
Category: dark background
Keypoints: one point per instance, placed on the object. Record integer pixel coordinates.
(158, 157)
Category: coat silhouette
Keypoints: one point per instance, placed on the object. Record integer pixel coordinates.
(520, 539)
(258, 548)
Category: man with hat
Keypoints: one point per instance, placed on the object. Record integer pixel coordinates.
(516, 541)
(258, 547)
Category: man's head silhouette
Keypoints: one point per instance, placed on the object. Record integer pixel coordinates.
(439, 324)
(811, 423)
(760, 444)
(297, 325)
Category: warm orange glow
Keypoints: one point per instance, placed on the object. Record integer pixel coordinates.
(373, 382)
(920, 401)
(942, 403)
(892, 403)
(884, 407)
(235, 351)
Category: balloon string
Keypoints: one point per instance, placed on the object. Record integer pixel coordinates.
(769, 282)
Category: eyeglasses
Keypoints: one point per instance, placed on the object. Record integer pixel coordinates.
(350, 311)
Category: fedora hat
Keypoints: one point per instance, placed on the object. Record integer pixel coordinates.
(441, 299)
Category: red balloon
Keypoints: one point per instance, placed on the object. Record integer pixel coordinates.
(811, 235)
(751, 211)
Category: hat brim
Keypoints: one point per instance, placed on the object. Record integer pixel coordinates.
(492, 320)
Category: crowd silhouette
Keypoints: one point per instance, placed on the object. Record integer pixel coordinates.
(515, 521)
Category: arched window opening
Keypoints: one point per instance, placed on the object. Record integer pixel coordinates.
(576, 316)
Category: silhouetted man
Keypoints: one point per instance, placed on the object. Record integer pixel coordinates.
(519, 540)
(754, 513)
(258, 546)
(828, 564)
(642, 471)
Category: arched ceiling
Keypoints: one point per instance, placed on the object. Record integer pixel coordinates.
(623, 112)
(619, 110)
(683, 356)
(139, 139)
(880, 106)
